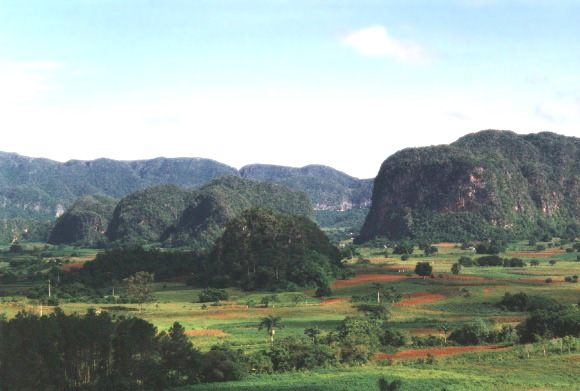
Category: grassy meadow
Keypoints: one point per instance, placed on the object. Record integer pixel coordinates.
(473, 293)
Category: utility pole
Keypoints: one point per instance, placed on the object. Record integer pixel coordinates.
(49, 287)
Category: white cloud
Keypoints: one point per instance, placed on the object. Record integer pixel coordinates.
(377, 42)
(25, 80)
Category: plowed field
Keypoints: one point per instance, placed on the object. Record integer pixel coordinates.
(418, 298)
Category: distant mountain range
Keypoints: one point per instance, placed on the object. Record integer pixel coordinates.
(43, 189)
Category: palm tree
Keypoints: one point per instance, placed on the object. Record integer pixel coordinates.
(269, 323)
(312, 333)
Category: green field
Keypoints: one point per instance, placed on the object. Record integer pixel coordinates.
(473, 294)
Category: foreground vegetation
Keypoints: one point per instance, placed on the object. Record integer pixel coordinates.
(481, 304)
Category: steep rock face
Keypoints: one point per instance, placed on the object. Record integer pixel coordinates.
(85, 222)
(487, 183)
(329, 189)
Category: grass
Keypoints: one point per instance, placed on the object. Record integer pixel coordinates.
(500, 371)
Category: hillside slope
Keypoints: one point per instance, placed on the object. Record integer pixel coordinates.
(487, 184)
(329, 189)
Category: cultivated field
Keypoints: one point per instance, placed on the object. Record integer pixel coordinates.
(455, 299)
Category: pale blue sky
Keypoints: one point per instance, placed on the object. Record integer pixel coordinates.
(340, 83)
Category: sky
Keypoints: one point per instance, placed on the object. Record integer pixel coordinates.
(340, 83)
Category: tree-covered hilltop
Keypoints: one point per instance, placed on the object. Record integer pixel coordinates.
(144, 216)
(173, 215)
(487, 184)
(85, 222)
(261, 249)
(42, 188)
(223, 199)
(329, 189)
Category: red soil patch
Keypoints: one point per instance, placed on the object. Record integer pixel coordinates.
(509, 319)
(542, 254)
(330, 301)
(206, 333)
(486, 291)
(418, 298)
(71, 266)
(438, 352)
(364, 278)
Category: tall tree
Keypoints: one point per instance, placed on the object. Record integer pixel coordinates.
(140, 286)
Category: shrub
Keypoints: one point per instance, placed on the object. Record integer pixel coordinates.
(404, 257)
(423, 269)
(212, 295)
(549, 280)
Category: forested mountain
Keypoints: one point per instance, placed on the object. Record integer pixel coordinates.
(85, 222)
(43, 189)
(487, 184)
(261, 249)
(214, 204)
(173, 215)
(329, 189)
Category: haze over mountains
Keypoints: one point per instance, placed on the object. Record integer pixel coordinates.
(42, 189)
(490, 184)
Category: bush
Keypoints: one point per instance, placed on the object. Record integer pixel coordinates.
(404, 257)
(213, 295)
(423, 269)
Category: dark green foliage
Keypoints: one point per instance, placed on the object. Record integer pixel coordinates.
(145, 216)
(93, 352)
(328, 188)
(23, 229)
(85, 222)
(210, 295)
(393, 337)
(222, 363)
(40, 188)
(553, 322)
(118, 264)
(474, 332)
(351, 219)
(384, 385)
(224, 199)
(403, 248)
(491, 247)
(323, 291)
(423, 269)
(490, 184)
(265, 250)
(523, 302)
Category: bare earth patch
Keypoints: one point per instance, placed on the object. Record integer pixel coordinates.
(330, 301)
(418, 298)
(206, 333)
(438, 352)
(364, 278)
(509, 319)
(72, 266)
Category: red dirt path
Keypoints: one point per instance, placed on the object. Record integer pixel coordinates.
(418, 298)
(364, 278)
(438, 352)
